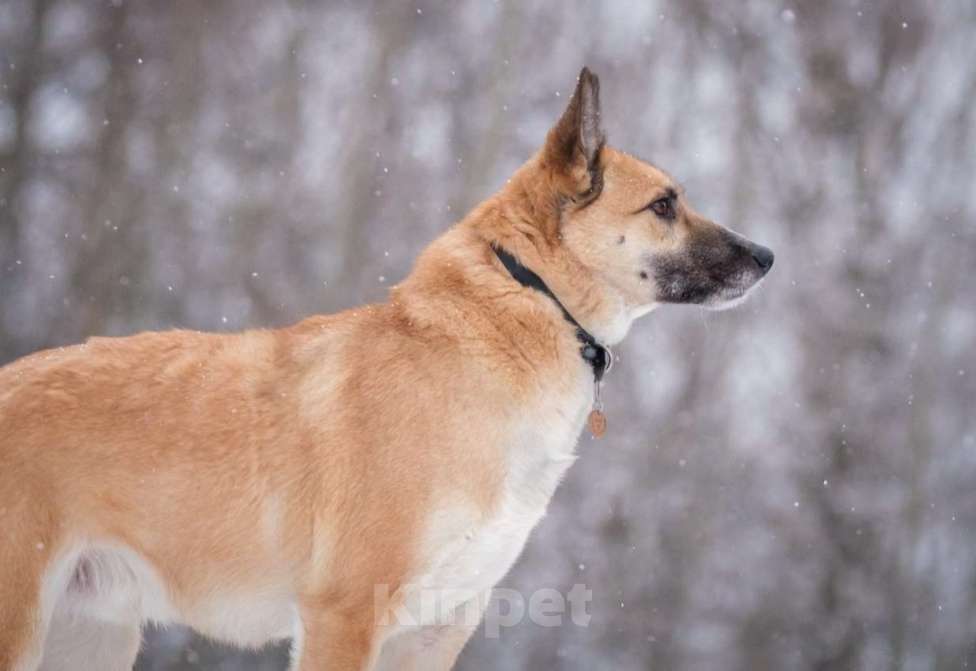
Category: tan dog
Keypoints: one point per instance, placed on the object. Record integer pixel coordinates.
(264, 485)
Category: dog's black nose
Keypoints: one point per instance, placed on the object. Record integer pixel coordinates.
(763, 256)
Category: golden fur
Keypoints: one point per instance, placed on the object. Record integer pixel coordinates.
(291, 471)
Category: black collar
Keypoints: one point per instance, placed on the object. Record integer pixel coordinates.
(595, 354)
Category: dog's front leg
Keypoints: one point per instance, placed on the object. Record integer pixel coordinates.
(433, 647)
(334, 641)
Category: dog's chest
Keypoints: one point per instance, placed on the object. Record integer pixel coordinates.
(469, 550)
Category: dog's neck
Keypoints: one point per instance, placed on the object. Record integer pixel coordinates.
(524, 219)
(525, 223)
(593, 352)
(462, 260)
(597, 308)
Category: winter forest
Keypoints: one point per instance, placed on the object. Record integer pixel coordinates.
(787, 485)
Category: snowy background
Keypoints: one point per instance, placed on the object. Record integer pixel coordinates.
(791, 485)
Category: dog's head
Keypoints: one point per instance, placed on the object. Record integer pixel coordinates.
(632, 224)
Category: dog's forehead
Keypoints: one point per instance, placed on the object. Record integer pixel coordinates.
(638, 172)
(637, 177)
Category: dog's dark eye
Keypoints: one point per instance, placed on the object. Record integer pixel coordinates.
(663, 207)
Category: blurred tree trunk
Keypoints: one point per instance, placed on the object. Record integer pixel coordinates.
(103, 229)
(393, 31)
(16, 168)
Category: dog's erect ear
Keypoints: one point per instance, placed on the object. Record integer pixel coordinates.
(573, 146)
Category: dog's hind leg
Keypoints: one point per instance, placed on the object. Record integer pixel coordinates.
(21, 617)
(79, 641)
(29, 561)
(97, 620)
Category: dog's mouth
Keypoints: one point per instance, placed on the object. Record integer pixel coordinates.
(731, 296)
